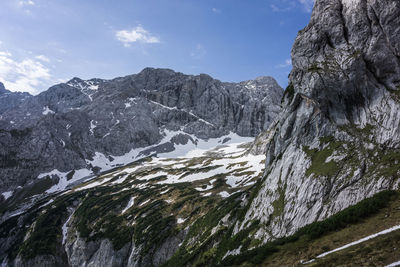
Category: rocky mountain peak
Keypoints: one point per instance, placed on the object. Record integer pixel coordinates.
(2, 88)
(347, 54)
(90, 122)
(340, 116)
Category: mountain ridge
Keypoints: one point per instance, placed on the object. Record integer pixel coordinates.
(68, 126)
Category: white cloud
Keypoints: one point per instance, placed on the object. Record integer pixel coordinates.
(25, 75)
(288, 63)
(215, 10)
(138, 34)
(26, 3)
(199, 52)
(289, 5)
(43, 58)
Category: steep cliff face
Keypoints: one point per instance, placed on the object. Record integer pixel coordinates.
(338, 137)
(335, 143)
(10, 100)
(80, 128)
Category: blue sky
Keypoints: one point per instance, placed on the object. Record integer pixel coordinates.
(43, 42)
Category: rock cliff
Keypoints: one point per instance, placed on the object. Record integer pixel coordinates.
(83, 127)
(338, 137)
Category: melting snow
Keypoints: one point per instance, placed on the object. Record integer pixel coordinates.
(144, 202)
(224, 194)
(180, 220)
(394, 228)
(65, 228)
(92, 126)
(7, 194)
(94, 184)
(46, 111)
(93, 87)
(230, 162)
(63, 183)
(130, 204)
(393, 264)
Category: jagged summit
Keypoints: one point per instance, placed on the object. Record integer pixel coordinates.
(354, 47)
(88, 120)
(338, 137)
(333, 143)
(2, 88)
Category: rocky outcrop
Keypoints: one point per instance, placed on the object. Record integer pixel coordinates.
(10, 100)
(338, 137)
(65, 127)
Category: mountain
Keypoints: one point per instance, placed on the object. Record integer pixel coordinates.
(80, 128)
(10, 100)
(338, 137)
(323, 192)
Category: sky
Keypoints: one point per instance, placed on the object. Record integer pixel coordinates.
(45, 42)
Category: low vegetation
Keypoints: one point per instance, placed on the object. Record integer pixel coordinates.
(213, 247)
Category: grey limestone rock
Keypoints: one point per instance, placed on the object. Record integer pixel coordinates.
(64, 127)
(343, 99)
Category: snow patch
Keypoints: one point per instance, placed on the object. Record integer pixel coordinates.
(63, 182)
(94, 184)
(144, 202)
(180, 220)
(393, 264)
(224, 194)
(47, 110)
(65, 228)
(392, 229)
(130, 204)
(92, 126)
(7, 194)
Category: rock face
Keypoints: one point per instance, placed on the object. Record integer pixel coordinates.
(335, 143)
(65, 127)
(338, 137)
(10, 100)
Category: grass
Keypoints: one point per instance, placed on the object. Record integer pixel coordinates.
(305, 249)
(310, 234)
(319, 166)
(279, 203)
(380, 251)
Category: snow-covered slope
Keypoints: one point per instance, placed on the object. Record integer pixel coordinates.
(83, 127)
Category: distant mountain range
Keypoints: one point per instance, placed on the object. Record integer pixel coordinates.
(81, 128)
(165, 169)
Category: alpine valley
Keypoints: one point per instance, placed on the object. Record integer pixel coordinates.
(165, 169)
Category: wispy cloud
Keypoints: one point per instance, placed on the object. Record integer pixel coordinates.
(198, 52)
(289, 5)
(138, 34)
(25, 75)
(286, 64)
(26, 3)
(43, 58)
(216, 10)
(26, 6)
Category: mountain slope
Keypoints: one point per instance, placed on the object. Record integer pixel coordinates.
(136, 215)
(331, 174)
(338, 137)
(81, 127)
